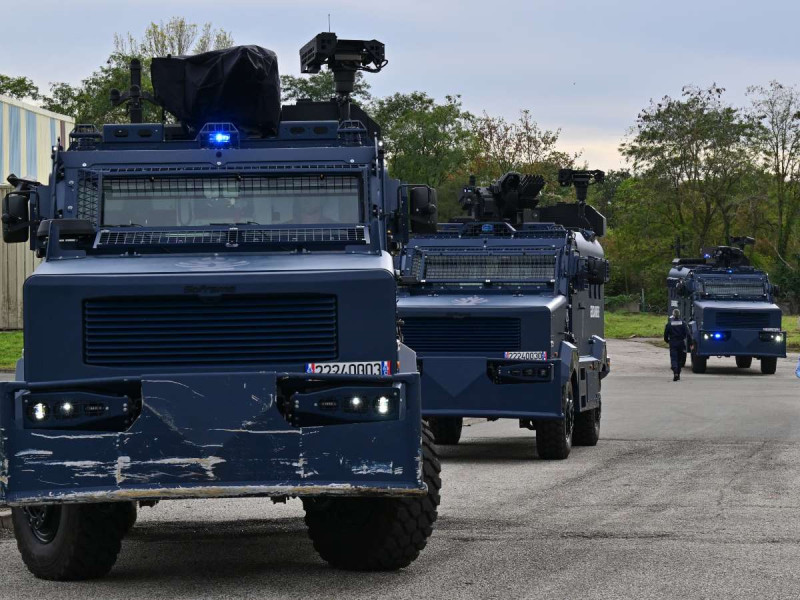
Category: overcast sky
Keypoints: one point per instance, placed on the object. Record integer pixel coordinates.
(586, 67)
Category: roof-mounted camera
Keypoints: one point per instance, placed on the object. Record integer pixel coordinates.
(344, 58)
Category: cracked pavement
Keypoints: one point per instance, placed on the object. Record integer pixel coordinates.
(692, 492)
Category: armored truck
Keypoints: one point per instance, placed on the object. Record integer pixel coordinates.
(729, 307)
(504, 309)
(215, 316)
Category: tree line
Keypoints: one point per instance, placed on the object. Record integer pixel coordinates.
(701, 170)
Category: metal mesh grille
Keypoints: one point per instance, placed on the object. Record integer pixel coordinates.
(88, 196)
(230, 237)
(482, 267)
(729, 287)
(172, 186)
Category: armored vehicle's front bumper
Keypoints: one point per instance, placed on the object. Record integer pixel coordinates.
(468, 386)
(209, 435)
(740, 342)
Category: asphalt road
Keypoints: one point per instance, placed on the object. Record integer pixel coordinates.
(693, 492)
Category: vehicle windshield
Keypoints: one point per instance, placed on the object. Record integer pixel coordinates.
(471, 266)
(742, 287)
(206, 201)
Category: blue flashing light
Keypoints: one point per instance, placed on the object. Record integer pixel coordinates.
(219, 138)
(717, 336)
(706, 256)
(487, 228)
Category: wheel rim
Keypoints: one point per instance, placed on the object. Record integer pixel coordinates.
(43, 521)
(569, 414)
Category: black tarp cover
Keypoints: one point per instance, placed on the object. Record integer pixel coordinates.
(239, 85)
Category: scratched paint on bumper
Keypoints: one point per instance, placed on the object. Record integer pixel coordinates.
(214, 435)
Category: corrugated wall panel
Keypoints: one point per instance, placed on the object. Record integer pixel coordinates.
(3, 138)
(26, 135)
(31, 170)
(15, 140)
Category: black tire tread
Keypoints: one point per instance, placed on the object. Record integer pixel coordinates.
(90, 548)
(699, 363)
(446, 430)
(551, 443)
(744, 362)
(769, 364)
(394, 531)
(587, 428)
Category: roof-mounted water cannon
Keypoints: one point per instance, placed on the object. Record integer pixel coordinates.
(135, 96)
(344, 58)
(504, 200)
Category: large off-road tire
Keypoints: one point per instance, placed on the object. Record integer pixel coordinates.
(744, 362)
(131, 514)
(699, 363)
(554, 438)
(446, 430)
(587, 428)
(70, 542)
(769, 364)
(376, 534)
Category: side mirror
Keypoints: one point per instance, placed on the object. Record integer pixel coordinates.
(597, 271)
(776, 290)
(15, 218)
(423, 210)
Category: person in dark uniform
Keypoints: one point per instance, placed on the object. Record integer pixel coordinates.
(675, 334)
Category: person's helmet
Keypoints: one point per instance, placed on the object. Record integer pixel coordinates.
(676, 314)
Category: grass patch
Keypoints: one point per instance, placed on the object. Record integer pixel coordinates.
(622, 325)
(10, 349)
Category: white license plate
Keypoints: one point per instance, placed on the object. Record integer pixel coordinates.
(526, 355)
(378, 367)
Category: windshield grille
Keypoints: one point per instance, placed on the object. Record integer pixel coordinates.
(734, 287)
(229, 237)
(482, 267)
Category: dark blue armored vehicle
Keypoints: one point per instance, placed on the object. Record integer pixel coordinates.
(215, 316)
(729, 307)
(505, 311)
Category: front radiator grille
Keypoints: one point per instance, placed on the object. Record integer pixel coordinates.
(190, 330)
(471, 334)
(743, 320)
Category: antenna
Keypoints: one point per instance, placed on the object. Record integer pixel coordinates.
(329, 22)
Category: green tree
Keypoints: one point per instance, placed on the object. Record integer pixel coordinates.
(427, 142)
(775, 109)
(320, 88)
(89, 102)
(698, 147)
(18, 87)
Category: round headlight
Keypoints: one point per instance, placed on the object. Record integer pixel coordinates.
(779, 338)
